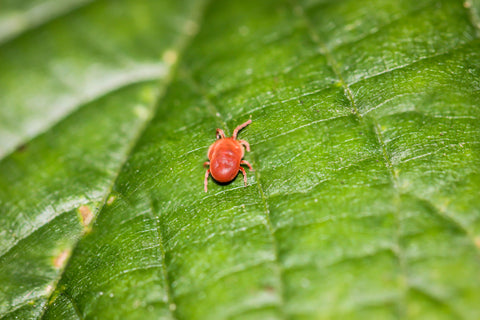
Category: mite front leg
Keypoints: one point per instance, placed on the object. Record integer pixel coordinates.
(244, 176)
(206, 163)
(206, 180)
(245, 162)
(240, 127)
(220, 134)
(245, 144)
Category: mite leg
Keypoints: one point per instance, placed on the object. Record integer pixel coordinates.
(244, 176)
(245, 162)
(206, 180)
(240, 127)
(245, 144)
(206, 163)
(220, 134)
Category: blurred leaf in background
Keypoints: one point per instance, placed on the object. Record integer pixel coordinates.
(365, 139)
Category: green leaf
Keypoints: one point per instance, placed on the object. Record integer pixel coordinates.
(365, 143)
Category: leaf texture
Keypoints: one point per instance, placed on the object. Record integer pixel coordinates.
(365, 144)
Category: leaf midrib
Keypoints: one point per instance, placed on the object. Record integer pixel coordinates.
(332, 63)
(215, 112)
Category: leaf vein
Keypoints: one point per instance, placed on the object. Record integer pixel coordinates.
(349, 94)
(164, 266)
(411, 63)
(214, 111)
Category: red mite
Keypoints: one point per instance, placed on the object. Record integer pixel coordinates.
(225, 157)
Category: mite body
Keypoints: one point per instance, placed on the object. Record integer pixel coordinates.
(225, 157)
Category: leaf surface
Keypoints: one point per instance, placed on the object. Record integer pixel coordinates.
(365, 144)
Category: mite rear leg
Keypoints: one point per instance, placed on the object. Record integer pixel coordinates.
(240, 127)
(245, 144)
(220, 134)
(244, 176)
(206, 163)
(206, 180)
(245, 162)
